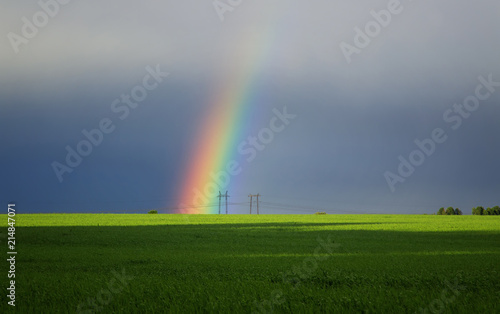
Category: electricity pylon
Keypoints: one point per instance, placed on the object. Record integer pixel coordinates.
(251, 201)
(220, 197)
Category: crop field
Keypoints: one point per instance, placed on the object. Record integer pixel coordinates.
(127, 263)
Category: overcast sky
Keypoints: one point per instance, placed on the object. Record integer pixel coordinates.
(360, 101)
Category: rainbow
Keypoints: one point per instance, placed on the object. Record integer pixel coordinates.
(224, 127)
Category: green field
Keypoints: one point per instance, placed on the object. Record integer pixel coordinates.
(104, 263)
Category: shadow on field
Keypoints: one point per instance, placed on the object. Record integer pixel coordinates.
(269, 238)
(205, 267)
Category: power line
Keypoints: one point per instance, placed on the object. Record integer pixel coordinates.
(278, 203)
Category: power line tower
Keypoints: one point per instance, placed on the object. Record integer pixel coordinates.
(226, 201)
(220, 198)
(251, 201)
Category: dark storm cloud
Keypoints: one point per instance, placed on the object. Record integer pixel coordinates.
(353, 120)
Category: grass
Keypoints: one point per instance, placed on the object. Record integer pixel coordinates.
(70, 263)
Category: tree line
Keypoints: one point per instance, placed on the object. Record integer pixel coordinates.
(449, 211)
(489, 211)
(475, 211)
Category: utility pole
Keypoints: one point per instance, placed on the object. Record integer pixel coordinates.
(226, 201)
(251, 201)
(251, 196)
(258, 203)
(220, 197)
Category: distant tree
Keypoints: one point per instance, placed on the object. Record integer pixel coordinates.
(489, 211)
(496, 210)
(478, 210)
(153, 212)
(458, 211)
(441, 211)
(450, 211)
